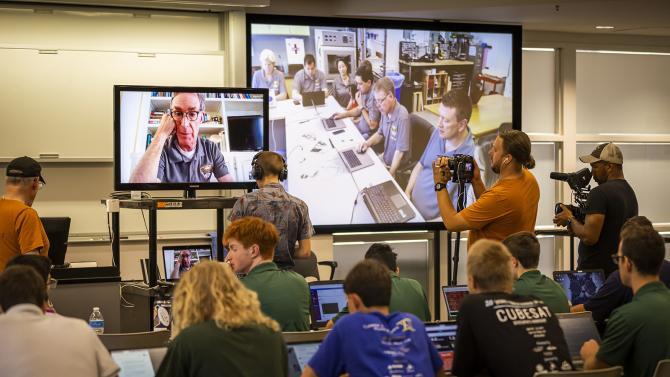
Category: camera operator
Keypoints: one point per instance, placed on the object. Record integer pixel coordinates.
(608, 206)
(509, 206)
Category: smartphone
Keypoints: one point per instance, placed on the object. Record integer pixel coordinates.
(296, 102)
(338, 131)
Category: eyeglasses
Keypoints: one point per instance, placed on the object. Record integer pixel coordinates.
(380, 100)
(617, 258)
(179, 115)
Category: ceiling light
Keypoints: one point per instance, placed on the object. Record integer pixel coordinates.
(605, 27)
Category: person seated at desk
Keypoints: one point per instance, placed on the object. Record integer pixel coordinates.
(613, 293)
(42, 265)
(177, 153)
(269, 76)
(218, 329)
(21, 230)
(308, 79)
(272, 203)
(34, 344)
(525, 250)
(452, 136)
(394, 127)
(532, 339)
(342, 84)
(366, 113)
(284, 295)
(407, 295)
(372, 341)
(637, 336)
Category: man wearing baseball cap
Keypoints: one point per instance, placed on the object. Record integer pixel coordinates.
(21, 231)
(608, 206)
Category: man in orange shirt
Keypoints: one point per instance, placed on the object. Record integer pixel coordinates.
(21, 231)
(509, 206)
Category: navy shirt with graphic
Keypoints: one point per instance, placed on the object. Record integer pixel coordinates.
(207, 161)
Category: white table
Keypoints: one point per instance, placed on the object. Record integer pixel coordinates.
(316, 173)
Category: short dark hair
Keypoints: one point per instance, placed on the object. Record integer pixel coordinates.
(40, 263)
(365, 72)
(371, 281)
(382, 252)
(517, 143)
(346, 64)
(271, 162)
(460, 101)
(635, 221)
(21, 285)
(525, 248)
(645, 248)
(308, 60)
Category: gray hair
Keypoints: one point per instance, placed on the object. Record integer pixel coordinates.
(19, 181)
(267, 56)
(201, 98)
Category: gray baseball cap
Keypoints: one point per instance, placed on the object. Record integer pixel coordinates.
(607, 152)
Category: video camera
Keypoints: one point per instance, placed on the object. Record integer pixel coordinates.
(462, 167)
(579, 183)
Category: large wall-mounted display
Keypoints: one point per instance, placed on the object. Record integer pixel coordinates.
(356, 109)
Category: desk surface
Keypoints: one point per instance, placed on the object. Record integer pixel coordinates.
(487, 114)
(437, 62)
(318, 176)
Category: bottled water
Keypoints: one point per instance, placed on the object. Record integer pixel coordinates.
(96, 321)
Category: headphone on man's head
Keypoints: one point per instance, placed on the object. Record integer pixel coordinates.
(257, 172)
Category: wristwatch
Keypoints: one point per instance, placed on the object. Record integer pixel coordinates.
(440, 186)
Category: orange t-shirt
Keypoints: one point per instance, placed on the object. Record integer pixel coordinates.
(21, 231)
(508, 207)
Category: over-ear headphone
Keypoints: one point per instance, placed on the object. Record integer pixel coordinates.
(257, 172)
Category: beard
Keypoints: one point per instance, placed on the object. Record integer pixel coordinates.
(495, 168)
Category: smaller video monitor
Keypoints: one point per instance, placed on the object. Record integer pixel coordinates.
(179, 259)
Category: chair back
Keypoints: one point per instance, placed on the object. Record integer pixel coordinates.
(420, 131)
(607, 372)
(307, 267)
(136, 340)
(663, 368)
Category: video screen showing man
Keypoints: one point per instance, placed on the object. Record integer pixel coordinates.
(176, 152)
(452, 136)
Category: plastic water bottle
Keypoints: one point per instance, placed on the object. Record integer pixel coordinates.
(96, 321)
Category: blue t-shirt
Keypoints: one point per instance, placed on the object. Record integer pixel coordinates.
(423, 194)
(372, 344)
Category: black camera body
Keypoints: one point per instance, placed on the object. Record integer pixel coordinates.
(578, 182)
(462, 167)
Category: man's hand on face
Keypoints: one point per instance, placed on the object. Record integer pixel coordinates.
(166, 128)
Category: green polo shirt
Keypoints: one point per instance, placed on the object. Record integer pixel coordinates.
(407, 296)
(204, 349)
(638, 333)
(284, 295)
(533, 283)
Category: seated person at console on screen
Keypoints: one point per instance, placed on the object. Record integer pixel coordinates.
(176, 153)
(393, 128)
(452, 136)
(308, 79)
(269, 76)
(366, 113)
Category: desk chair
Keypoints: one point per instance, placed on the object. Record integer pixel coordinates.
(663, 368)
(309, 267)
(136, 340)
(607, 372)
(420, 131)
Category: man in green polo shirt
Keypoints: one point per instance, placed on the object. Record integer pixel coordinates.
(407, 295)
(283, 294)
(525, 250)
(637, 335)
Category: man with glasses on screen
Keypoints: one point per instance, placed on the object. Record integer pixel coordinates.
(393, 128)
(176, 153)
(21, 231)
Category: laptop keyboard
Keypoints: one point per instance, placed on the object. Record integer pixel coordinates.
(351, 158)
(384, 209)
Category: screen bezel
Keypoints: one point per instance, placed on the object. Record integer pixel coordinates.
(119, 186)
(514, 30)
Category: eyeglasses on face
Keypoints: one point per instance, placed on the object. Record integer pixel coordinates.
(179, 115)
(380, 100)
(617, 258)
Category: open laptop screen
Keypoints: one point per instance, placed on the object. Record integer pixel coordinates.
(453, 296)
(327, 298)
(179, 259)
(298, 356)
(580, 286)
(577, 329)
(443, 337)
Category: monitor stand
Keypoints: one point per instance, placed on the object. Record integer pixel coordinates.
(189, 193)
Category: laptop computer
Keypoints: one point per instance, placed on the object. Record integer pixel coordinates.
(139, 362)
(317, 98)
(387, 204)
(443, 337)
(453, 296)
(326, 299)
(577, 329)
(353, 160)
(301, 346)
(187, 256)
(580, 286)
(330, 124)
(57, 230)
